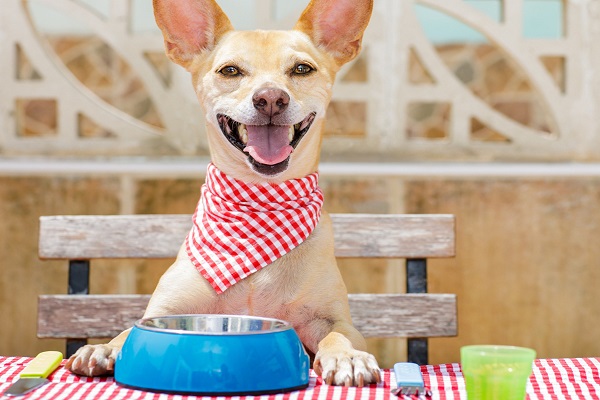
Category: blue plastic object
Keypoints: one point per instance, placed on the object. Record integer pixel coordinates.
(213, 355)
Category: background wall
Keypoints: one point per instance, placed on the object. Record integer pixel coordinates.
(485, 109)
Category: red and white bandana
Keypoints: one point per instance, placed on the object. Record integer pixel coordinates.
(240, 228)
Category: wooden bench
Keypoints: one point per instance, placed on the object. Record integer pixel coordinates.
(79, 239)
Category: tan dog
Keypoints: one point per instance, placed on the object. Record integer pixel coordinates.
(278, 82)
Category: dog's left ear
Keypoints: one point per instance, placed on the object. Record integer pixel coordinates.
(336, 25)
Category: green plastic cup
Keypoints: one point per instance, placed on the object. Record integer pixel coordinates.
(496, 372)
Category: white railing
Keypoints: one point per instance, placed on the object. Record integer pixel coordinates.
(196, 168)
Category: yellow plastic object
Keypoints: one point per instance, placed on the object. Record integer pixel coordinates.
(42, 365)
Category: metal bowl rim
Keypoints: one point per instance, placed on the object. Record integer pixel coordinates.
(285, 325)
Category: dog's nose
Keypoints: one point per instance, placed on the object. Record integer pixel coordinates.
(270, 101)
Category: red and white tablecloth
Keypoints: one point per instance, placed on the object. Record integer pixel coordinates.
(574, 378)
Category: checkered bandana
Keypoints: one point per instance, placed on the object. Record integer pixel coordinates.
(240, 228)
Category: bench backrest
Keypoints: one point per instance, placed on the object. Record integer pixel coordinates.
(80, 239)
(160, 236)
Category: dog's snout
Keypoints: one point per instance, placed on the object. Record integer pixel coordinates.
(270, 101)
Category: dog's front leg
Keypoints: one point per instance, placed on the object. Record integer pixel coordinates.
(181, 290)
(341, 359)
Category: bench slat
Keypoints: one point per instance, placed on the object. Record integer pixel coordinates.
(112, 236)
(160, 236)
(404, 315)
(105, 316)
(393, 235)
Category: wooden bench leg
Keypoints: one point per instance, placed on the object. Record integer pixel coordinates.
(79, 277)
(73, 345)
(416, 282)
(417, 351)
(416, 275)
(79, 283)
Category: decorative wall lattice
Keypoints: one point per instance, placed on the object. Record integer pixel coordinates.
(99, 84)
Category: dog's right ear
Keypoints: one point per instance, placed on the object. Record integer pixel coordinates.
(189, 27)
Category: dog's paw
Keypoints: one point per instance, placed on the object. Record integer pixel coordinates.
(348, 368)
(93, 360)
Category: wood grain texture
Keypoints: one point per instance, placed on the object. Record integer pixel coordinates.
(393, 235)
(160, 236)
(112, 236)
(404, 315)
(105, 316)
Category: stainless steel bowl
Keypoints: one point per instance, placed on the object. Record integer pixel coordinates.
(210, 324)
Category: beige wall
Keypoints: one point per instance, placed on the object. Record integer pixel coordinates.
(527, 264)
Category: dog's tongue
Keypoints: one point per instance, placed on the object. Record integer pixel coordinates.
(268, 144)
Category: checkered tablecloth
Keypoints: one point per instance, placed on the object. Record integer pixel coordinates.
(574, 378)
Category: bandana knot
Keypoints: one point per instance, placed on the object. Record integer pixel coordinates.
(239, 228)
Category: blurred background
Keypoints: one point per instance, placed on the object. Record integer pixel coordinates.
(485, 109)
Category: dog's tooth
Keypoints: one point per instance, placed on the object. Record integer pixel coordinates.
(243, 132)
(291, 133)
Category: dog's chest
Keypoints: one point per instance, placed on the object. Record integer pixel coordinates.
(267, 292)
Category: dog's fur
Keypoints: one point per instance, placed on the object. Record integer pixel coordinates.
(259, 78)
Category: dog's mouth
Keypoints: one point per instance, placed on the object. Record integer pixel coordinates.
(268, 146)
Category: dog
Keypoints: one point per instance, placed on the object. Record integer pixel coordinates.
(264, 94)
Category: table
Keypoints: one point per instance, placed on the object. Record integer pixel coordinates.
(573, 378)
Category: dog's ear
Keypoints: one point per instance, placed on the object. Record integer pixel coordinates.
(189, 27)
(336, 25)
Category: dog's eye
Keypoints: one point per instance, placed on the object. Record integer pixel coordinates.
(230, 71)
(302, 69)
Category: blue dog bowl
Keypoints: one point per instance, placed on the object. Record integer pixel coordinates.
(213, 355)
